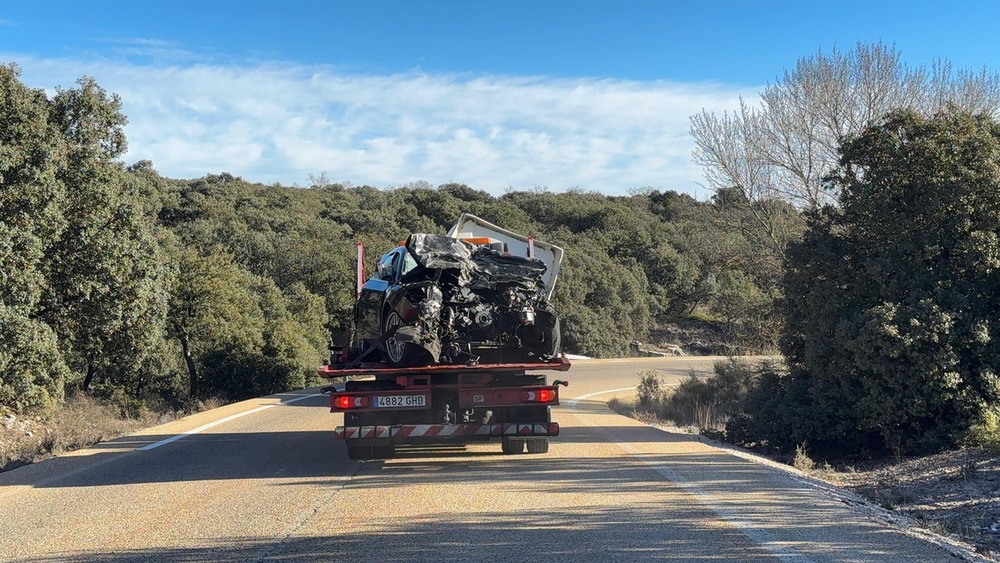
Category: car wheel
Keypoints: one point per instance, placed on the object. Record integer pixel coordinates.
(398, 354)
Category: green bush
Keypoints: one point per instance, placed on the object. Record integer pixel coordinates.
(707, 403)
(891, 298)
(32, 371)
(649, 391)
(986, 431)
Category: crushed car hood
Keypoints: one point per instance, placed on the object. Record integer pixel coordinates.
(480, 267)
(463, 297)
(469, 225)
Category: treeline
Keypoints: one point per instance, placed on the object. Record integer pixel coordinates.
(124, 284)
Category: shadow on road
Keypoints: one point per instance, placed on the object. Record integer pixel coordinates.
(592, 533)
(206, 456)
(661, 505)
(213, 456)
(602, 533)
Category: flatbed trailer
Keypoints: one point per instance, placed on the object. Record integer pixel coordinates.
(443, 404)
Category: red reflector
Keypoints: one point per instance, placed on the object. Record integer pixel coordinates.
(545, 395)
(343, 402)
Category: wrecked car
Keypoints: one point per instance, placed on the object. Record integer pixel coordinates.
(461, 299)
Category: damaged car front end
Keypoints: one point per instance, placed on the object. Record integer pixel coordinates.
(449, 300)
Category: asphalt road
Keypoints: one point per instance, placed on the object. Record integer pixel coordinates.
(264, 480)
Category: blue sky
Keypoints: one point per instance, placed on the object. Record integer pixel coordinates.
(496, 94)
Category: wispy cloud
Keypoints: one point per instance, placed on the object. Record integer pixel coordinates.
(7, 23)
(280, 123)
(146, 50)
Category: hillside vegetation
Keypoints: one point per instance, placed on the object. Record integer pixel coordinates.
(854, 226)
(145, 290)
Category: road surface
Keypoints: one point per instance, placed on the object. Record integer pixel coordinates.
(264, 480)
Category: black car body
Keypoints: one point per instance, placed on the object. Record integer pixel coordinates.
(443, 299)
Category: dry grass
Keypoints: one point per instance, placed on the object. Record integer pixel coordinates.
(80, 422)
(955, 493)
(802, 461)
(632, 409)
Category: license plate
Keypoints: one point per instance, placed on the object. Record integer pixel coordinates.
(399, 401)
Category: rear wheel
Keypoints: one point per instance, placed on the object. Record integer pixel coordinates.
(363, 453)
(512, 445)
(400, 354)
(538, 446)
(543, 339)
(359, 452)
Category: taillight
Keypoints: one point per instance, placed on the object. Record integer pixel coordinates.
(539, 396)
(346, 402)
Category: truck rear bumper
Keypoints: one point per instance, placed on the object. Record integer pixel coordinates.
(411, 433)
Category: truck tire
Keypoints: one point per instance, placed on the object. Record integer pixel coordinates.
(366, 453)
(512, 445)
(538, 446)
(360, 453)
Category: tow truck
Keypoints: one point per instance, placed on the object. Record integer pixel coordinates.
(386, 406)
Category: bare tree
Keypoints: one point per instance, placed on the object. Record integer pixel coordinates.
(320, 180)
(783, 147)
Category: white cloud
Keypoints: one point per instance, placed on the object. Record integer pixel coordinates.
(280, 123)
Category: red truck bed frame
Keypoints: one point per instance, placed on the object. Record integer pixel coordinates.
(479, 392)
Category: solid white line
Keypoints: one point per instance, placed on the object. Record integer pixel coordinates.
(302, 398)
(575, 400)
(204, 427)
(755, 533)
(759, 536)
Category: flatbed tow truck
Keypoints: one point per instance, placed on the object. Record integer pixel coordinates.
(445, 403)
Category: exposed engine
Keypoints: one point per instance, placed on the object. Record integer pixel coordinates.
(475, 303)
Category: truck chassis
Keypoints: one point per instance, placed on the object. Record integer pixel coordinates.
(444, 404)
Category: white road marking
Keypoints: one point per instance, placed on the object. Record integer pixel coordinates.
(756, 534)
(576, 400)
(204, 427)
(759, 536)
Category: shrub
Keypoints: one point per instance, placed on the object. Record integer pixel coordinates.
(32, 370)
(650, 391)
(707, 403)
(986, 431)
(802, 461)
(891, 297)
